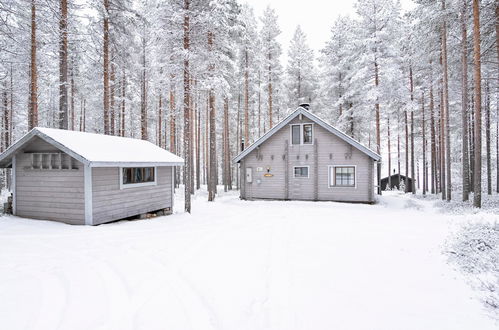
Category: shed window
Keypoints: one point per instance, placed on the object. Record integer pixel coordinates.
(301, 171)
(342, 176)
(135, 175)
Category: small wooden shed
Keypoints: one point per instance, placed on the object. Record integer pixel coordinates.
(395, 181)
(305, 158)
(86, 178)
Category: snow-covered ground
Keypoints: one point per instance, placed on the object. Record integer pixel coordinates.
(241, 265)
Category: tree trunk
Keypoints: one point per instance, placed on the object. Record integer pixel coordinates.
(112, 99)
(33, 87)
(246, 99)
(123, 104)
(63, 65)
(270, 91)
(226, 145)
(389, 153)
(413, 177)
(423, 129)
(212, 145)
(187, 91)
(398, 147)
(106, 66)
(213, 161)
(143, 100)
(464, 101)
(487, 137)
(72, 102)
(198, 144)
(477, 197)
(446, 107)
(160, 120)
(434, 174)
(172, 120)
(378, 129)
(443, 189)
(471, 137)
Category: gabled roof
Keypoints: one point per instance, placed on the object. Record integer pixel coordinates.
(97, 150)
(317, 120)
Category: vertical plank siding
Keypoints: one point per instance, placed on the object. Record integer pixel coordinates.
(327, 150)
(112, 203)
(48, 194)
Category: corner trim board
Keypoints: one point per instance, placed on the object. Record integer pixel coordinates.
(14, 193)
(88, 195)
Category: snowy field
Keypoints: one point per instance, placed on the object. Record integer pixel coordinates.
(239, 265)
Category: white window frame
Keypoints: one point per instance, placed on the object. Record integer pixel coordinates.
(141, 184)
(301, 134)
(301, 177)
(330, 176)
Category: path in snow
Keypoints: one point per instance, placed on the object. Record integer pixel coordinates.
(239, 265)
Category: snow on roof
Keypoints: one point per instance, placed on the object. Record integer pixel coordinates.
(100, 150)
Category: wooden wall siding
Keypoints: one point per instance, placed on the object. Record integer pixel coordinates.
(112, 203)
(327, 150)
(48, 194)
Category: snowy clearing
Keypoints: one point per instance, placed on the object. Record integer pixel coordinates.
(241, 265)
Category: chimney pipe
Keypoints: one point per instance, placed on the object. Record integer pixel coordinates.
(305, 106)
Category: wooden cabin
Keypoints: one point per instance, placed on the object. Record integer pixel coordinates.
(88, 179)
(304, 158)
(395, 181)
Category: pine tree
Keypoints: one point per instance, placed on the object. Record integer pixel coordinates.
(300, 71)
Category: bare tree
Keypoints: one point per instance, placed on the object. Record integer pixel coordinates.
(105, 46)
(187, 92)
(33, 87)
(477, 183)
(464, 100)
(446, 131)
(63, 65)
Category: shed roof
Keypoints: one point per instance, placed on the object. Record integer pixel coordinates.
(98, 150)
(318, 121)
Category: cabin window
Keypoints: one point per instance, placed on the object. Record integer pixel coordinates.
(301, 171)
(301, 134)
(307, 134)
(138, 176)
(295, 134)
(342, 176)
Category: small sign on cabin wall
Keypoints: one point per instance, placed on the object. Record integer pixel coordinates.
(268, 174)
(259, 169)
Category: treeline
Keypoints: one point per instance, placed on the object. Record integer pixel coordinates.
(204, 79)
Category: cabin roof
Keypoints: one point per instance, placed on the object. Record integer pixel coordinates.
(97, 150)
(316, 120)
(396, 175)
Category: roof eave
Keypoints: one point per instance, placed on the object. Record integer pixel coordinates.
(135, 164)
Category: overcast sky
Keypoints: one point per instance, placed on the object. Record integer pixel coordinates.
(315, 17)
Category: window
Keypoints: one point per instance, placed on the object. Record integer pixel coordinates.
(307, 133)
(138, 176)
(301, 134)
(342, 176)
(295, 134)
(301, 171)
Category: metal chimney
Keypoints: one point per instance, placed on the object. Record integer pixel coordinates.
(305, 105)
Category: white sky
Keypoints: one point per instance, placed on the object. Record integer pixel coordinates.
(315, 17)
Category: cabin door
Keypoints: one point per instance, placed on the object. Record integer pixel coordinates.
(300, 183)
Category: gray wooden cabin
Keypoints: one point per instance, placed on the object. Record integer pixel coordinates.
(88, 179)
(304, 158)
